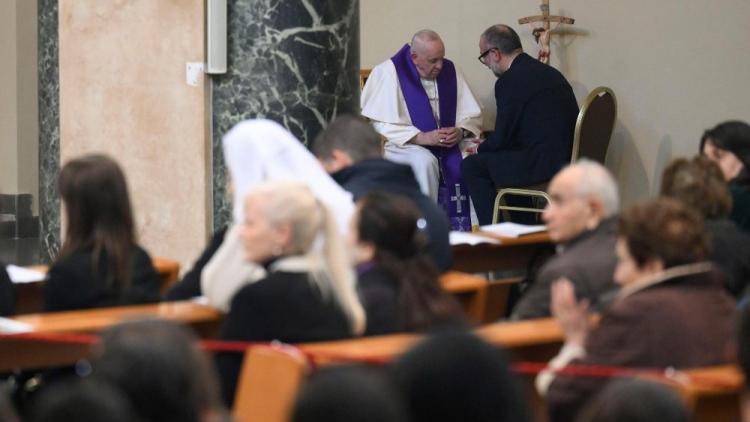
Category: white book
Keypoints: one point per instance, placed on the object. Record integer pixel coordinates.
(512, 229)
(9, 326)
(24, 275)
(466, 238)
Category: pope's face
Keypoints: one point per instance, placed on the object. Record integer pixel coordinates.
(428, 59)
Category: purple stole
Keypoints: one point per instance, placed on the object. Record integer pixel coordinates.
(452, 193)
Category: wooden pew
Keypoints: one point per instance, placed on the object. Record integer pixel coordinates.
(268, 384)
(30, 297)
(511, 254)
(470, 291)
(712, 393)
(26, 353)
(524, 340)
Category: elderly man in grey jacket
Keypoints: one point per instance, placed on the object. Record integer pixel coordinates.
(580, 220)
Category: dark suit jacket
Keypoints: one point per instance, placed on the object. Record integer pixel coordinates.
(588, 261)
(682, 322)
(536, 117)
(379, 174)
(73, 284)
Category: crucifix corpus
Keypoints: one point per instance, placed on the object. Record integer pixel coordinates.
(542, 34)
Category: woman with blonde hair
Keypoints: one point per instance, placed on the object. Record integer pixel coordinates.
(308, 293)
(255, 151)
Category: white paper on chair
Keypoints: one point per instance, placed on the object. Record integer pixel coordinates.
(24, 275)
(10, 326)
(466, 238)
(512, 229)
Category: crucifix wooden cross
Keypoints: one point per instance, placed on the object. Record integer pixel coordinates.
(542, 34)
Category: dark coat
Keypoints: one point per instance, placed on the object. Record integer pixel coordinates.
(740, 205)
(379, 174)
(731, 252)
(682, 322)
(379, 293)
(190, 285)
(536, 117)
(7, 293)
(284, 306)
(588, 261)
(73, 284)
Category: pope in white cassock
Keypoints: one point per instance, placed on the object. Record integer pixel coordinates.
(423, 107)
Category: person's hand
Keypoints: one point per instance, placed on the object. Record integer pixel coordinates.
(471, 145)
(436, 138)
(572, 316)
(450, 135)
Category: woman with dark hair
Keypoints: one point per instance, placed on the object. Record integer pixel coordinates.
(398, 281)
(455, 376)
(347, 394)
(698, 183)
(100, 263)
(159, 367)
(671, 311)
(635, 400)
(728, 145)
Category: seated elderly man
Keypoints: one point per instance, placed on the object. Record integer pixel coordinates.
(579, 220)
(420, 103)
(671, 311)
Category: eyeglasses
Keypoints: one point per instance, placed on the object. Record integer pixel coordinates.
(484, 54)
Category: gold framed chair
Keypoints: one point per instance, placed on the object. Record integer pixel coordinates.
(363, 75)
(593, 131)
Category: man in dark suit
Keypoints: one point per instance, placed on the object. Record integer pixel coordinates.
(536, 117)
(350, 151)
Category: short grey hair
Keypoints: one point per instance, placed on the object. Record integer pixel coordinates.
(423, 36)
(596, 181)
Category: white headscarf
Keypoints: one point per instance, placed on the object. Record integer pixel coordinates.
(261, 150)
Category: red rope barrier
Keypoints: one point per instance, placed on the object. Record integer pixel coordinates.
(314, 358)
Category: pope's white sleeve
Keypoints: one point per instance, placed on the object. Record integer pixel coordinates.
(395, 133)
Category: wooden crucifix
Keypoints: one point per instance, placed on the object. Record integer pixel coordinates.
(542, 34)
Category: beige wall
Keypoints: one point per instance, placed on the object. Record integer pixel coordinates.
(8, 96)
(123, 92)
(677, 66)
(28, 100)
(19, 128)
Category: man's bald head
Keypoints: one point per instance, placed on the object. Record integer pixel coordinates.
(582, 194)
(427, 52)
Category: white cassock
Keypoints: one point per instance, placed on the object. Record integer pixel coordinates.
(383, 103)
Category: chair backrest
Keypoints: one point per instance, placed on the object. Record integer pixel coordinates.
(268, 384)
(594, 126)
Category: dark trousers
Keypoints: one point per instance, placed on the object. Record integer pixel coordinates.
(482, 187)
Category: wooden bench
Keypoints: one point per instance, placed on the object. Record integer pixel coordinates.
(512, 253)
(28, 353)
(712, 394)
